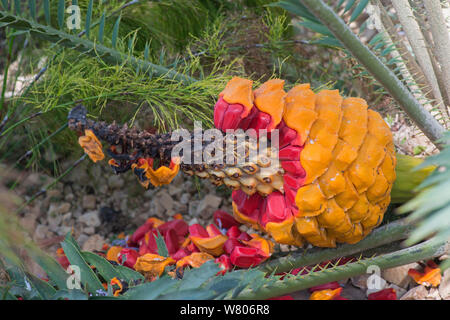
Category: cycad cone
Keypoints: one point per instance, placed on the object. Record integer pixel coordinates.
(337, 155)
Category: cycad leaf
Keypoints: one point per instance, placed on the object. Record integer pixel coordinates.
(161, 245)
(194, 278)
(32, 8)
(88, 277)
(61, 8)
(115, 33)
(359, 9)
(5, 4)
(87, 26)
(104, 268)
(17, 8)
(101, 28)
(47, 11)
(349, 5)
(129, 275)
(52, 268)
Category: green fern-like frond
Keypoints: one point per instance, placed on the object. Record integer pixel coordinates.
(431, 208)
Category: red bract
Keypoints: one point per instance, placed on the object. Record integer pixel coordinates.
(233, 232)
(385, 294)
(148, 243)
(128, 257)
(224, 220)
(244, 257)
(140, 233)
(225, 264)
(62, 259)
(180, 254)
(172, 241)
(244, 236)
(180, 227)
(230, 244)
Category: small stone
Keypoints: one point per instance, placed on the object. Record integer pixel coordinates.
(399, 275)
(284, 248)
(208, 205)
(41, 232)
(115, 182)
(89, 230)
(93, 243)
(166, 201)
(29, 223)
(398, 290)
(433, 294)
(82, 238)
(416, 293)
(64, 208)
(90, 219)
(174, 190)
(63, 230)
(89, 202)
(444, 287)
(184, 199)
(69, 197)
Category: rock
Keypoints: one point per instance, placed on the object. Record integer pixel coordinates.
(90, 219)
(208, 205)
(89, 230)
(433, 294)
(115, 182)
(398, 290)
(284, 248)
(69, 197)
(185, 197)
(444, 287)
(64, 208)
(174, 190)
(82, 238)
(29, 223)
(166, 201)
(416, 293)
(63, 230)
(399, 275)
(93, 243)
(41, 232)
(89, 201)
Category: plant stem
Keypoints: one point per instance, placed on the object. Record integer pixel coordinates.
(394, 231)
(5, 75)
(423, 251)
(424, 120)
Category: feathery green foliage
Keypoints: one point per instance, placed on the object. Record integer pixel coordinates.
(431, 207)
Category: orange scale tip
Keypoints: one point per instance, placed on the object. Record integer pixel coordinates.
(113, 253)
(163, 175)
(327, 294)
(239, 90)
(178, 216)
(430, 276)
(284, 232)
(194, 260)
(91, 145)
(260, 243)
(242, 218)
(152, 265)
(270, 99)
(211, 245)
(155, 222)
